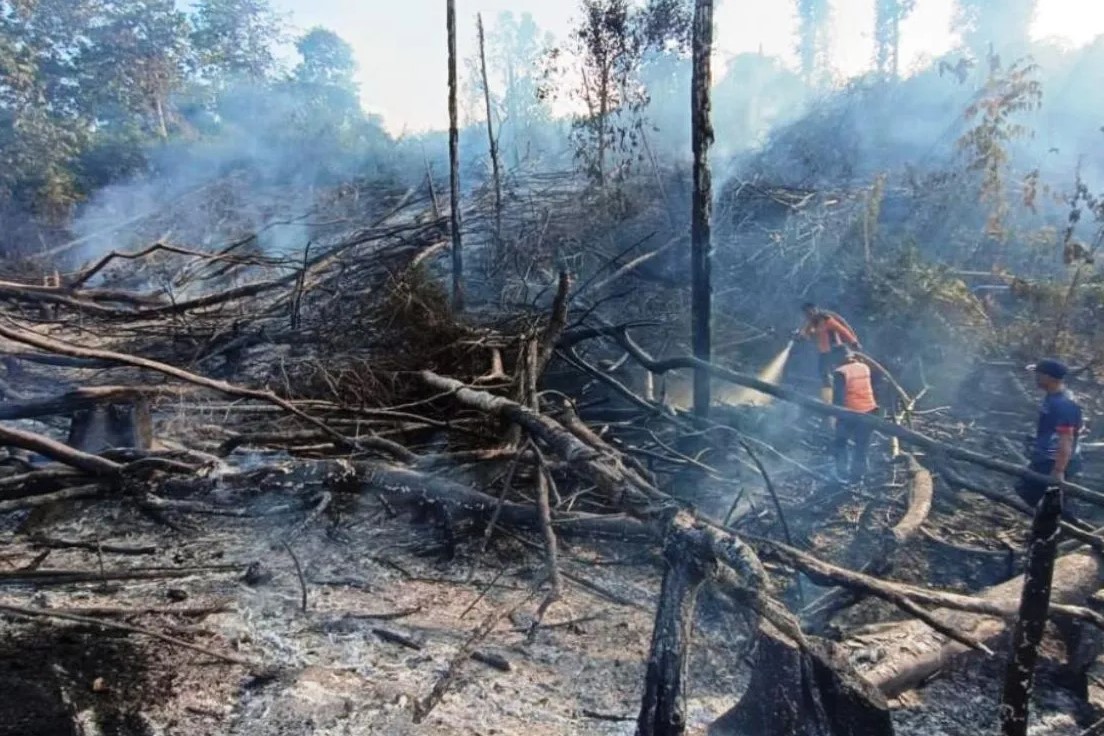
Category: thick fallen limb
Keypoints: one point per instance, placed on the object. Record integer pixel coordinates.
(69, 577)
(92, 464)
(610, 477)
(824, 573)
(411, 489)
(60, 361)
(914, 654)
(884, 545)
(183, 611)
(919, 505)
(46, 499)
(887, 428)
(39, 540)
(1015, 502)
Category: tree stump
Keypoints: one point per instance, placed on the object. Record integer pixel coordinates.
(803, 693)
(112, 425)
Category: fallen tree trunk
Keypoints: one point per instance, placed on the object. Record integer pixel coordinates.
(914, 652)
(54, 450)
(619, 482)
(919, 506)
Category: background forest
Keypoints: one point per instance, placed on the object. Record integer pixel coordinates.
(984, 161)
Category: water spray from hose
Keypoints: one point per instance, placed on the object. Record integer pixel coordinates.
(771, 373)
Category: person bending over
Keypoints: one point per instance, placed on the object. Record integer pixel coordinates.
(829, 332)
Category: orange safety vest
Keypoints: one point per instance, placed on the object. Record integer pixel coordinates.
(858, 391)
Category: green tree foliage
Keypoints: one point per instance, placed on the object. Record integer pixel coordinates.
(235, 39)
(93, 92)
(135, 61)
(324, 112)
(41, 130)
(610, 44)
(1007, 93)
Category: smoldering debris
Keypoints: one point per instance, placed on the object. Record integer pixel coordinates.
(326, 429)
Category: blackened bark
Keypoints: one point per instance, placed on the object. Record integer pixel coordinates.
(663, 710)
(454, 163)
(810, 692)
(702, 205)
(1034, 602)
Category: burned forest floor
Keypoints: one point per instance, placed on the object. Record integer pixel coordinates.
(358, 613)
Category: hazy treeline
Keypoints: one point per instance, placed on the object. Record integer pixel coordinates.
(111, 106)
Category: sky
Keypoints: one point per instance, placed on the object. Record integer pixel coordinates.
(400, 46)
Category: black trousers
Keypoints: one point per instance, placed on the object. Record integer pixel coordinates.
(825, 366)
(1031, 491)
(852, 442)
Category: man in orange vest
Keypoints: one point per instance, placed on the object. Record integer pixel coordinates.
(853, 389)
(829, 332)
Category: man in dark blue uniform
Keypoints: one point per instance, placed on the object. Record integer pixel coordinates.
(1054, 450)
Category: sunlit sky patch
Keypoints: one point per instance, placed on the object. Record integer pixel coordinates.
(401, 45)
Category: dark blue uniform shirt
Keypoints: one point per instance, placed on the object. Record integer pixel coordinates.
(1058, 415)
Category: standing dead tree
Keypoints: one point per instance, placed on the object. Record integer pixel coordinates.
(702, 206)
(492, 142)
(454, 163)
(1034, 602)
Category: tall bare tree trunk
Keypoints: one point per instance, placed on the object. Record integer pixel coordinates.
(491, 139)
(887, 37)
(700, 240)
(1034, 602)
(454, 163)
(603, 111)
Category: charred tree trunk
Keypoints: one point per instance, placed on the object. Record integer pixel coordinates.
(495, 171)
(803, 692)
(454, 163)
(663, 710)
(701, 208)
(1033, 615)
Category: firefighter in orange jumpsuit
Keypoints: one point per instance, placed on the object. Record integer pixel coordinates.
(829, 331)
